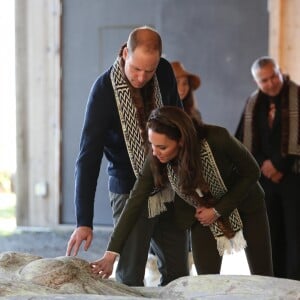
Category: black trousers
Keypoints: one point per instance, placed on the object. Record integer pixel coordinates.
(168, 243)
(283, 207)
(258, 251)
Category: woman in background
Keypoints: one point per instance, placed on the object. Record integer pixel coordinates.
(187, 83)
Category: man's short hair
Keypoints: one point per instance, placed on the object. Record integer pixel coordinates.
(146, 37)
(261, 62)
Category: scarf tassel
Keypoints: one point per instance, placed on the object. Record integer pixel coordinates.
(156, 202)
(230, 246)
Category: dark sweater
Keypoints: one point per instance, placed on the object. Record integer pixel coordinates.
(102, 134)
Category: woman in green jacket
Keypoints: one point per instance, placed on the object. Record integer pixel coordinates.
(217, 194)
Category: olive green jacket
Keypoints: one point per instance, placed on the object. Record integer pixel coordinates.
(238, 169)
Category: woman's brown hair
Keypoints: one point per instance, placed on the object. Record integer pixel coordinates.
(177, 125)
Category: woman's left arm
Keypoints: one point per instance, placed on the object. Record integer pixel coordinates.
(135, 204)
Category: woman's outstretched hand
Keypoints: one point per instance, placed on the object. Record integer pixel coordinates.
(104, 266)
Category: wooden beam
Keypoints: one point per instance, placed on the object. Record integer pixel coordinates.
(284, 37)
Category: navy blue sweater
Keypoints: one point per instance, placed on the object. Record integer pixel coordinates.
(102, 134)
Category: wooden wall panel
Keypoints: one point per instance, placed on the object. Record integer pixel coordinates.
(284, 38)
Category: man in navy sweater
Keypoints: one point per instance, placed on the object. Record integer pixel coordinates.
(118, 106)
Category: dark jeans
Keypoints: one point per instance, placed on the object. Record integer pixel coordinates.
(283, 207)
(168, 243)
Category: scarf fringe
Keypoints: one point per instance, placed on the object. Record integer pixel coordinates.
(230, 246)
(156, 202)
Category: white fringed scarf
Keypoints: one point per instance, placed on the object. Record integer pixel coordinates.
(130, 126)
(128, 116)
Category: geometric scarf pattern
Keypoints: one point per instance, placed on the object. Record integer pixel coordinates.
(128, 116)
(217, 188)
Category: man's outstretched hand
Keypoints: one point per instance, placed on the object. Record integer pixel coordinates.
(80, 234)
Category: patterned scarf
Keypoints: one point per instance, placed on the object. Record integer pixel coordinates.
(129, 116)
(132, 130)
